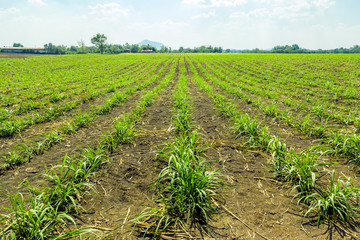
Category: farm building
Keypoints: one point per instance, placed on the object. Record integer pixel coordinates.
(23, 50)
(147, 51)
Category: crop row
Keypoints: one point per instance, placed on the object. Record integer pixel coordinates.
(337, 201)
(185, 188)
(335, 142)
(10, 127)
(87, 92)
(28, 151)
(267, 85)
(43, 80)
(286, 71)
(49, 214)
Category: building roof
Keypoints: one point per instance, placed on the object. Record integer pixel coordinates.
(24, 48)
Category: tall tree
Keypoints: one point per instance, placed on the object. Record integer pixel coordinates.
(99, 40)
(17, 45)
(82, 47)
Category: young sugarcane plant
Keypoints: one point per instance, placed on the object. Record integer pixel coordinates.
(336, 202)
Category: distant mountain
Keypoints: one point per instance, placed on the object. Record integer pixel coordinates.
(156, 45)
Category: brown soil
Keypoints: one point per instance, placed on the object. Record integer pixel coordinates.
(16, 55)
(34, 132)
(255, 204)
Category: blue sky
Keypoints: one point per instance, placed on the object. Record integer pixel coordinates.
(236, 24)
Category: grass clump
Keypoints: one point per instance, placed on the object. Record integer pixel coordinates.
(36, 219)
(45, 213)
(185, 188)
(336, 202)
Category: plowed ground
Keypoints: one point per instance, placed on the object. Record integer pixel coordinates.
(256, 205)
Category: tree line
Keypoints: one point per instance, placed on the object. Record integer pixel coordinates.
(99, 40)
(108, 48)
(296, 49)
(101, 46)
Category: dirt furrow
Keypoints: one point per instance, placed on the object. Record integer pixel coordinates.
(251, 193)
(122, 186)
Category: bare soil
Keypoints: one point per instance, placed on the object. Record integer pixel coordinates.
(16, 55)
(256, 206)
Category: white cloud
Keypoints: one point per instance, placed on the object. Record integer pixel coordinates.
(227, 3)
(170, 24)
(215, 3)
(108, 11)
(270, 3)
(203, 15)
(323, 3)
(280, 9)
(9, 11)
(162, 26)
(37, 2)
(278, 3)
(193, 2)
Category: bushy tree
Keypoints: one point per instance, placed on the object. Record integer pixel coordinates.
(17, 45)
(99, 40)
(82, 48)
(134, 48)
(52, 49)
(148, 47)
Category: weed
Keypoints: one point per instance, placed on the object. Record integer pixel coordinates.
(247, 126)
(189, 188)
(13, 159)
(82, 119)
(65, 186)
(90, 160)
(185, 187)
(124, 130)
(357, 125)
(9, 128)
(270, 110)
(55, 97)
(320, 130)
(304, 125)
(348, 145)
(336, 202)
(39, 222)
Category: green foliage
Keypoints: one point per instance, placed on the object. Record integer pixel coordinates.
(186, 188)
(9, 128)
(246, 126)
(45, 213)
(36, 220)
(348, 145)
(271, 110)
(53, 49)
(65, 187)
(99, 40)
(12, 159)
(336, 202)
(90, 161)
(124, 131)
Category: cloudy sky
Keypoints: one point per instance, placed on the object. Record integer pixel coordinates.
(236, 24)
